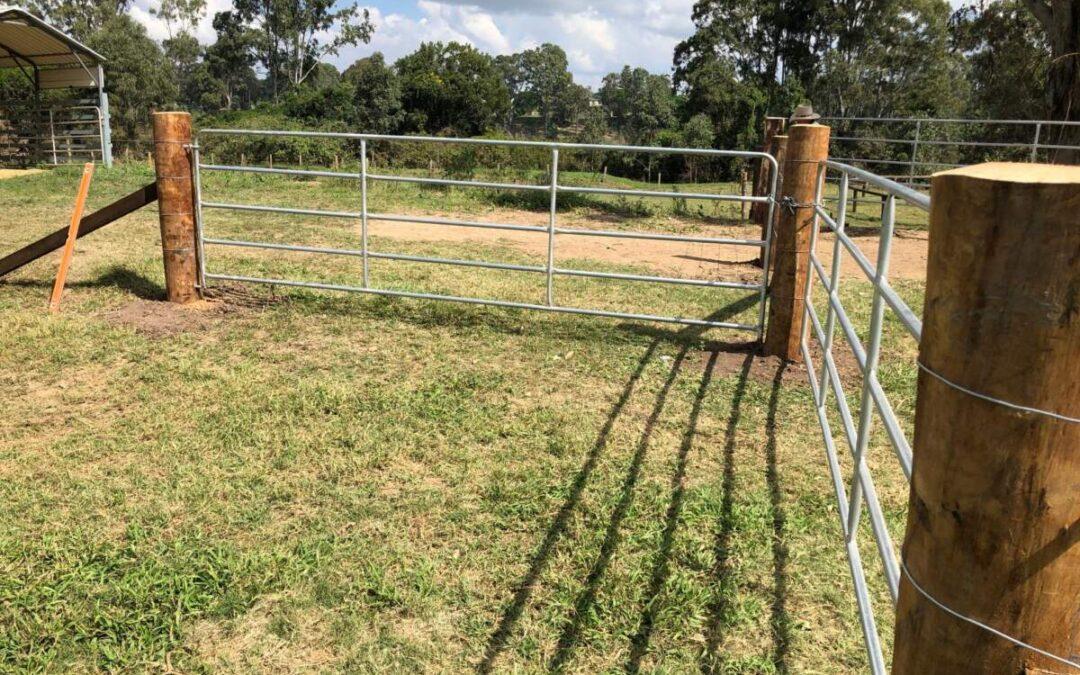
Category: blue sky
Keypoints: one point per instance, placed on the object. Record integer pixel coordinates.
(599, 36)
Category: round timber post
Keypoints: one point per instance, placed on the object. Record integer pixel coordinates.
(807, 147)
(176, 205)
(779, 150)
(993, 530)
(774, 126)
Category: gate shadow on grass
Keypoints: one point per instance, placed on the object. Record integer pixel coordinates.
(685, 337)
(722, 572)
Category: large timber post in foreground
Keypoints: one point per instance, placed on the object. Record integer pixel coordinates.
(807, 147)
(176, 204)
(993, 530)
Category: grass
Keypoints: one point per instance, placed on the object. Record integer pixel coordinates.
(309, 481)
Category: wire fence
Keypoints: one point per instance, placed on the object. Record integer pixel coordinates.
(820, 336)
(552, 188)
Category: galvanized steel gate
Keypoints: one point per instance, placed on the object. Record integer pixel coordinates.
(856, 425)
(551, 269)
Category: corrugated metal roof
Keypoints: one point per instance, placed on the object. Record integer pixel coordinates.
(28, 42)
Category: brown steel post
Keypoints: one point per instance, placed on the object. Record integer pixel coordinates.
(773, 127)
(172, 164)
(807, 146)
(993, 529)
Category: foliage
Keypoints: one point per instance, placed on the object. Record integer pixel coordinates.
(377, 95)
(539, 81)
(451, 88)
(292, 34)
(1060, 22)
(895, 61)
(230, 61)
(180, 16)
(1008, 58)
(81, 18)
(641, 104)
(138, 77)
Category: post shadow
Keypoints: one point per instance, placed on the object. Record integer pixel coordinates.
(540, 558)
(722, 567)
(570, 635)
(115, 277)
(779, 620)
(639, 644)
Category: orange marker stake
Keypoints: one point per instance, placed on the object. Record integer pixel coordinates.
(73, 234)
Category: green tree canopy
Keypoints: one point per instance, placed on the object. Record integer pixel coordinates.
(641, 104)
(377, 95)
(451, 87)
(138, 77)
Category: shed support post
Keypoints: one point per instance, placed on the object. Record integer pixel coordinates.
(807, 147)
(176, 205)
(106, 128)
(993, 529)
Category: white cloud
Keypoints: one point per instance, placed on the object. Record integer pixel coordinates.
(157, 30)
(599, 36)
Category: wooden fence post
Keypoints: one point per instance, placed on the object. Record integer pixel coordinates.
(774, 126)
(172, 164)
(807, 146)
(779, 151)
(993, 527)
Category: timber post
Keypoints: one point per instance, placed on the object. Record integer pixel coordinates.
(993, 529)
(807, 147)
(176, 204)
(779, 150)
(774, 126)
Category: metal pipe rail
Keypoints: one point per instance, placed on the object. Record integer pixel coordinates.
(553, 187)
(909, 147)
(860, 491)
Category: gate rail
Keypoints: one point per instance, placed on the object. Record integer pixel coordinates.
(851, 498)
(552, 230)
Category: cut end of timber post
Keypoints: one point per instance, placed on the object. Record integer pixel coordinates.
(1019, 172)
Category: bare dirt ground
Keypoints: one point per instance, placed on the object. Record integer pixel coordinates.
(15, 173)
(682, 259)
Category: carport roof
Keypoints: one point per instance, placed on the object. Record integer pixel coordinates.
(56, 59)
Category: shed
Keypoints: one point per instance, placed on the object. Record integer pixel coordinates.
(51, 128)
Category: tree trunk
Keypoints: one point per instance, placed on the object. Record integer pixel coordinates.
(1060, 19)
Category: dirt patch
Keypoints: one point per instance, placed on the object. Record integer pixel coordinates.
(18, 173)
(682, 259)
(159, 319)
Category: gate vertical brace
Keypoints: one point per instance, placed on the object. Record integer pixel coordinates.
(200, 247)
(873, 349)
(364, 212)
(766, 250)
(834, 283)
(1035, 143)
(551, 227)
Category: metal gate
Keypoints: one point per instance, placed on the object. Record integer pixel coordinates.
(855, 431)
(553, 230)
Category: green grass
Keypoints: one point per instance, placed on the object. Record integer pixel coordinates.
(352, 483)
